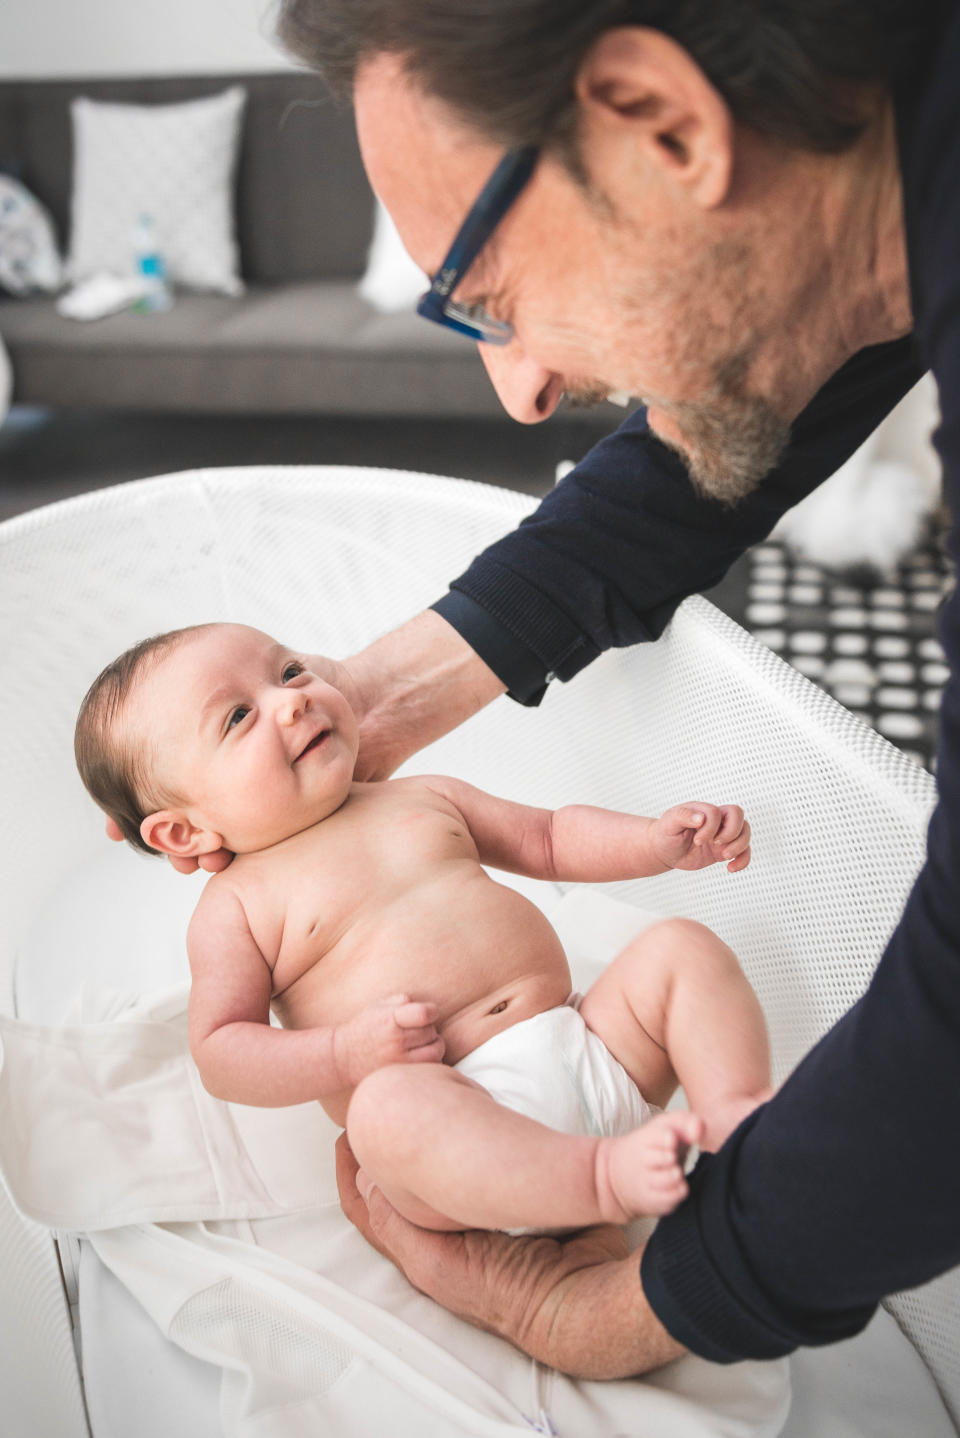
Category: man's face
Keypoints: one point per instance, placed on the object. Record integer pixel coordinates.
(663, 308)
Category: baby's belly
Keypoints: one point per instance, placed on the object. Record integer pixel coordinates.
(485, 956)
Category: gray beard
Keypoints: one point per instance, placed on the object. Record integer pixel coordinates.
(730, 441)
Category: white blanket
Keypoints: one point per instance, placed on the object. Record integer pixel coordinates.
(223, 1221)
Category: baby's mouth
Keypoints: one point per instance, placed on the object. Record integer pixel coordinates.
(315, 743)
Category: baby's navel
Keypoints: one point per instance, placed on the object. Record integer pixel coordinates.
(499, 1008)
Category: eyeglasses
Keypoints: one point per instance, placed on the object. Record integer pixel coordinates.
(493, 202)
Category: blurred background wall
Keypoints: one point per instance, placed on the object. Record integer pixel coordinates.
(51, 38)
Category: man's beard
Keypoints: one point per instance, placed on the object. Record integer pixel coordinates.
(730, 440)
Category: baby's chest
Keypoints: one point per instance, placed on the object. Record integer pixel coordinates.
(342, 886)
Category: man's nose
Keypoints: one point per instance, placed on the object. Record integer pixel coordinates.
(528, 392)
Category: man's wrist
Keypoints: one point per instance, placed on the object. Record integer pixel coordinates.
(597, 1324)
(522, 673)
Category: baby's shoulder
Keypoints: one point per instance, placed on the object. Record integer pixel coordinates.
(221, 904)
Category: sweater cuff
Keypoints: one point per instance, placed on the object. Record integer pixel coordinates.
(511, 661)
(515, 630)
(692, 1301)
(725, 1317)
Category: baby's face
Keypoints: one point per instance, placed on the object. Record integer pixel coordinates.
(255, 745)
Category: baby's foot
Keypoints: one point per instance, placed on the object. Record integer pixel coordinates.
(641, 1173)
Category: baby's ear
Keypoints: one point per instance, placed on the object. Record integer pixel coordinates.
(170, 831)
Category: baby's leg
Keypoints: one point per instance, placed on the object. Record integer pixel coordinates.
(676, 1006)
(448, 1156)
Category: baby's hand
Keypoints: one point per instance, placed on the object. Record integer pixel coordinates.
(694, 836)
(391, 1031)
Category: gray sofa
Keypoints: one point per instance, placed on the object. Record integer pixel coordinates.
(300, 340)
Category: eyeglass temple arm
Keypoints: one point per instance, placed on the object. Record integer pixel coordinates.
(496, 197)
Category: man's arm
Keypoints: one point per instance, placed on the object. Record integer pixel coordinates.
(576, 1305)
(616, 546)
(860, 1134)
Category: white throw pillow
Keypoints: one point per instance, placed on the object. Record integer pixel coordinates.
(29, 258)
(392, 281)
(173, 163)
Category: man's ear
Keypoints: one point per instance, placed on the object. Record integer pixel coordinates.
(170, 831)
(638, 86)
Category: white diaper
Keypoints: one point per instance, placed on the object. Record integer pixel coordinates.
(553, 1069)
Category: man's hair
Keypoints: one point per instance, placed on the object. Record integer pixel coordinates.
(794, 70)
(113, 768)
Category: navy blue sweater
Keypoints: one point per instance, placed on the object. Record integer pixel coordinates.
(846, 1186)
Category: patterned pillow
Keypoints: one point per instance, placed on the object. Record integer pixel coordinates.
(174, 163)
(29, 258)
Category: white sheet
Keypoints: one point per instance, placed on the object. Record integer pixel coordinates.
(872, 1386)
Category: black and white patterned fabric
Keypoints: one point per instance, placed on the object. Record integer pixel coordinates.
(872, 646)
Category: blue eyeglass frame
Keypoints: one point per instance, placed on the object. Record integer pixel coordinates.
(489, 208)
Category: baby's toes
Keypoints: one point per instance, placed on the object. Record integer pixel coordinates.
(663, 1158)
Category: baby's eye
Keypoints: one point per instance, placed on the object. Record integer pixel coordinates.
(291, 671)
(238, 715)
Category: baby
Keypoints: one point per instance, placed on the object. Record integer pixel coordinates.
(426, 1006)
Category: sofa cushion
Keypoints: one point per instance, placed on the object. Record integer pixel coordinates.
(310, 347)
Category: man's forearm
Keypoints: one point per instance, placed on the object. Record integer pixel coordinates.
(598, 1324)
(414, 685)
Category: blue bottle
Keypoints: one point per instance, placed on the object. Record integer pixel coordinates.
(150, 267)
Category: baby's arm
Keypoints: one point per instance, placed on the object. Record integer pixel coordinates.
(582, 844)
(243, 1060)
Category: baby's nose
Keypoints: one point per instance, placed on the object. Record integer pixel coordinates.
(293, 703)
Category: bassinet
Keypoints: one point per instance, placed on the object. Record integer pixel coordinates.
(328, 559)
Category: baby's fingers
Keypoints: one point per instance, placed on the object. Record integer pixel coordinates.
(708, 830)
(414, 1038)
(732, 823)
(738, 849)
(427, 1053)
(415, 1015)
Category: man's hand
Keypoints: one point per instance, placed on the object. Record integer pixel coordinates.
(574, 1304)
(694, 836)
(411, 687)
(394, 1030)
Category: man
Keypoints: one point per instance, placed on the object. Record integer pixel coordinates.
(752, 221)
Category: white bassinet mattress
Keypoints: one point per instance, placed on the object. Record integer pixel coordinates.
(262, 1376)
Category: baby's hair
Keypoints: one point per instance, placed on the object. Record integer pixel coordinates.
(112, 769)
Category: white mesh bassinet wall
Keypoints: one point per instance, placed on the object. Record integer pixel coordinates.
(328, 559)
